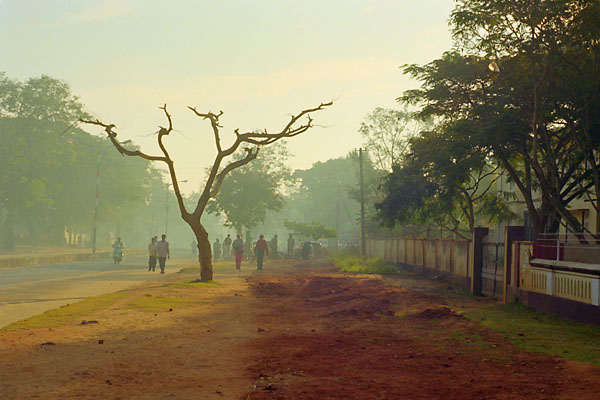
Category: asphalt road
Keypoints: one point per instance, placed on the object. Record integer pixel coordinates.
(28, 291)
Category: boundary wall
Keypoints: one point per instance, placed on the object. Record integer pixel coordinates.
(449, 258)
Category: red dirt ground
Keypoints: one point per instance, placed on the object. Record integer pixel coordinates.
(294, 331)
(340, 337)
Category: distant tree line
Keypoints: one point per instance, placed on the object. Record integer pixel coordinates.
(48, 173)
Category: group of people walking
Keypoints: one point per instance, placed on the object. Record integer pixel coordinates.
(236, 249)
(158, 250)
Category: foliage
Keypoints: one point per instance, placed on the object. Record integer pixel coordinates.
(386, 133)
(443, 181)
(352, 262)
(519, 91)
(322, 194)
(49, 169)
(250, 191)
(314, 230)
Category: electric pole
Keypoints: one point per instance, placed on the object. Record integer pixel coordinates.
(363, 250)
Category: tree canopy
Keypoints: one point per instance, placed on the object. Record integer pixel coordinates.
(49, 168)
(250, 191)
(518, 91)
(312, 230)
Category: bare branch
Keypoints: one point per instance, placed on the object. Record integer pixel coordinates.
(112, 135)
(251, 155)
(262, 138)
(290, 129)
(214, 122)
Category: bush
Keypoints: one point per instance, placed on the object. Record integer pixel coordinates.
(351, 261)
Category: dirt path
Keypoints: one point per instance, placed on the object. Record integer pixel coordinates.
(295, 331)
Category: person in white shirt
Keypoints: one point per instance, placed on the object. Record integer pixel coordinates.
(152, 255)
(162, 252)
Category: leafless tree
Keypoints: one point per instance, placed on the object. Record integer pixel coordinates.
(297, 124)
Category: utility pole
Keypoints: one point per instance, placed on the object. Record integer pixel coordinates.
(96, 205)
(363, 250)
(337, 210)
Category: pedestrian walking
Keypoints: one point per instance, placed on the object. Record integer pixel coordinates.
(238, 251)
(163, 252)
(306, 250)
(216, 250)
(227, 247)
(260, 249)
(274, 243)
(152, 255)
(248, 244)
(290, 246)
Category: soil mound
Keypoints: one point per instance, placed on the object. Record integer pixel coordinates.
(437, 313)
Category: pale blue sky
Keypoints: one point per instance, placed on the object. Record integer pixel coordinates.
(258, 61)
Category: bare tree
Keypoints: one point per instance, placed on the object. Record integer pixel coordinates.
(297, 124)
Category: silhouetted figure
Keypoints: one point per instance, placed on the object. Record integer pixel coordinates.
(163, 252)
(238, 251)
(248, 244)
(260, 249)
(274, 247)
(227, 247)
(306, 249)
(216, 250)
(290, 247)
(118, 251)
(152, 255)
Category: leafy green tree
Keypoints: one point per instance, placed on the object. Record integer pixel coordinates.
(508, 84)
(32, 116)
(250, 191)
(443, 181)
(544, 57)
(386, 133)
(313, 230)
(322, 194)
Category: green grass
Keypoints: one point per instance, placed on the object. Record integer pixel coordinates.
(217, 265)
(157, 303)
(541, 333)
(357, 265)
(190, 269)
(66, 313)
(196, 283)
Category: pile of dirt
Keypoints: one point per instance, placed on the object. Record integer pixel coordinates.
(437, 313)
(337, 337)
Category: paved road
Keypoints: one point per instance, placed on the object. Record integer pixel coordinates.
(28, 291)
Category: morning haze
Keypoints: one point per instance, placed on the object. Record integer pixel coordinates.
(285, 199)
(257, 61)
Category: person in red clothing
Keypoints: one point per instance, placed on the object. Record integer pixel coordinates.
(260, 250)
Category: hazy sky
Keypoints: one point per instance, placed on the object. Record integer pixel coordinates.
(257, 60)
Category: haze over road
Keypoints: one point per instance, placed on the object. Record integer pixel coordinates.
(28, 291)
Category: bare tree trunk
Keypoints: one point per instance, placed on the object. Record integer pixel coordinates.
(204, 251)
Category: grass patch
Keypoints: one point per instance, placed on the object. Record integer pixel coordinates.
(196, 283)
(66, 313)
(357, 265)
(217, 265)
(541, 333)
(157, 303)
